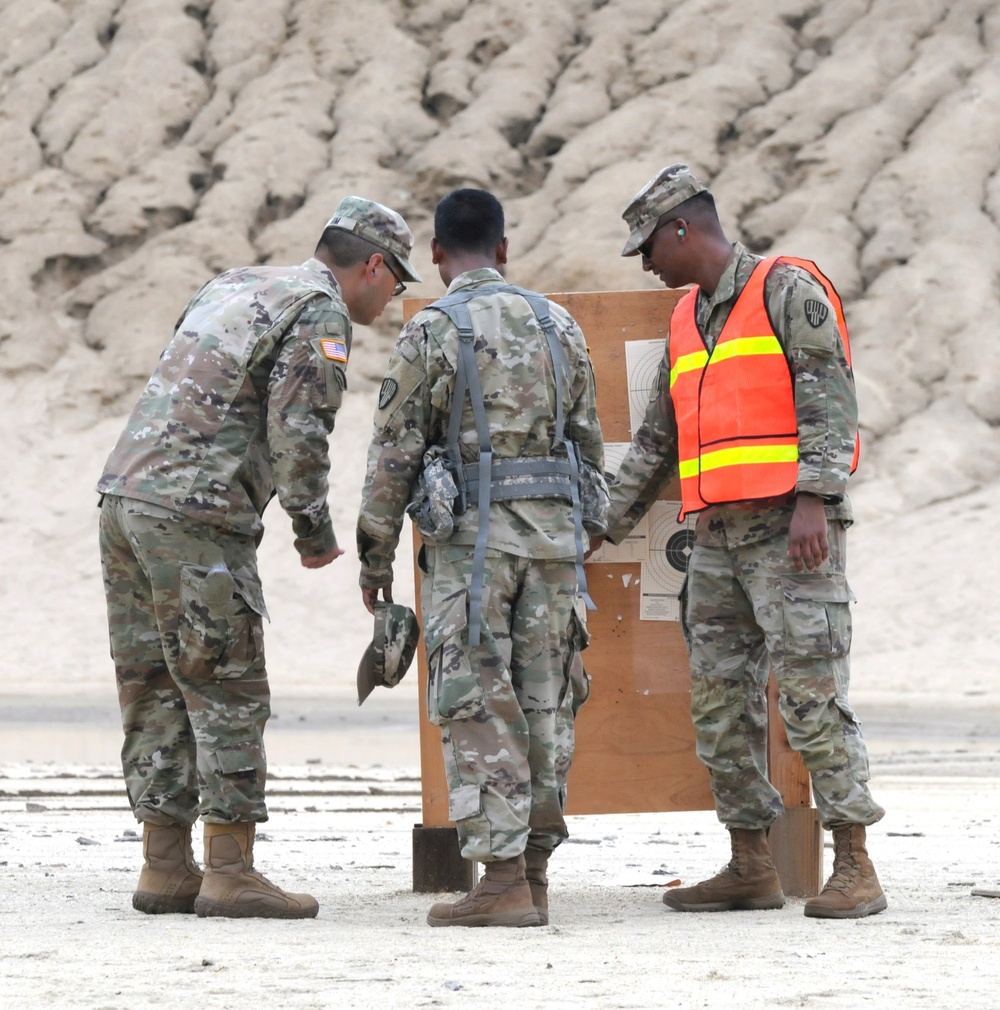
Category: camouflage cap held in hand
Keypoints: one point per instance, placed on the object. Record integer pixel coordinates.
(380, 225)
(391, 651)
(669, 188)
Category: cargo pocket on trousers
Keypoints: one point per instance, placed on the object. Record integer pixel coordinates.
(234, 761)
(465, 802)
(854, 744)
(817, 616)
(224, 642)
(576, 674)
(454, 690)
(241, 774)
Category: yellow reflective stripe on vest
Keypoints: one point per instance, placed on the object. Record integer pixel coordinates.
(739, 456)
(688, 363)
(738, 347)
(746, 346)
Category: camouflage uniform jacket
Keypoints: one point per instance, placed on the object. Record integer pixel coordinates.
(518, 387)
(241, 404)
(825, 408)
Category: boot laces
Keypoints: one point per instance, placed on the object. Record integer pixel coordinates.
(840, 880)
(730, 869)
(845, 866)
(736, 867)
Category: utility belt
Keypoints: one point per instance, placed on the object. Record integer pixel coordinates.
(438, 497)
(525, 477)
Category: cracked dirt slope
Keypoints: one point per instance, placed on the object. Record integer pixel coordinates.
(146, 144)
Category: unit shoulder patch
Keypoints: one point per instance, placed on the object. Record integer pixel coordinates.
(386, 394)
(816, 312)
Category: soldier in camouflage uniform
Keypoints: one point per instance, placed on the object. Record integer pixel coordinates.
(505, 706)
(766, 586)
(237, 411)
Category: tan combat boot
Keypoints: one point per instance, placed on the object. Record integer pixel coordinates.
(501, 898)
(853, 890)
(170, 878)
(748, 882)
(234, 889)
(536, 862)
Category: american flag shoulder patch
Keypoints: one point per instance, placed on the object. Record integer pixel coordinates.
(334, 350)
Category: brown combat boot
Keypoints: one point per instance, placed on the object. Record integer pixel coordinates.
(748, 882)
(170, 878)
(853, 890)
(234, 889)
(501, 898)
(536, 862)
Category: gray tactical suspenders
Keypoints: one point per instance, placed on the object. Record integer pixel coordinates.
(489, 480)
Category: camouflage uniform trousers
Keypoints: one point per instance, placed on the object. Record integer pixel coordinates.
(748, 610)
(192, 687)
(506, 708)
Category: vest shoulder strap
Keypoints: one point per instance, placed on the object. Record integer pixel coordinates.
(456, 307)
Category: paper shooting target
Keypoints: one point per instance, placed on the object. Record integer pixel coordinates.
(643, 359)
(670, 544)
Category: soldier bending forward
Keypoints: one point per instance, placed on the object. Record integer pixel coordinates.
(238, 410)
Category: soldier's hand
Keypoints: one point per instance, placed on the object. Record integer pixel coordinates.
(370, 596)
(808, 546)
(321, 560)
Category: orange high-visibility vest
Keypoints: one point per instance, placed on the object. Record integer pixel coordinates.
(737, 432)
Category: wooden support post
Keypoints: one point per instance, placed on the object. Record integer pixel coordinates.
(437, 861)
(796, 841)
(796, 838)
(437, 858)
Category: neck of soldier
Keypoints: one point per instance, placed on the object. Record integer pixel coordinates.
(455, 264)
(324, 257)
(713, 258)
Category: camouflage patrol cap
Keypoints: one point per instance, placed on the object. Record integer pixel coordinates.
(380, 225)
(390, 653)
(666, 190)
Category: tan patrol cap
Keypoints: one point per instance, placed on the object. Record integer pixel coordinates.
(669, 188)
(380, 225)
(390, 653)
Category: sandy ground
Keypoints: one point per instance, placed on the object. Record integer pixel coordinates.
(69, 857)
(344, 797)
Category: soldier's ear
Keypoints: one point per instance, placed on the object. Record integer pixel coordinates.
(501, 251)
(371, 267)
(437, 253)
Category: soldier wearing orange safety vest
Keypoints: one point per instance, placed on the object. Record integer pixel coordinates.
(734, 443)
(755, 410)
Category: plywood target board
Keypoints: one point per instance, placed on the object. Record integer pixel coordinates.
(635, 748)
(635, 742)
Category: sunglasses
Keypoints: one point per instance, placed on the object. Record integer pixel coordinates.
(646, 249)
(400, 286)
